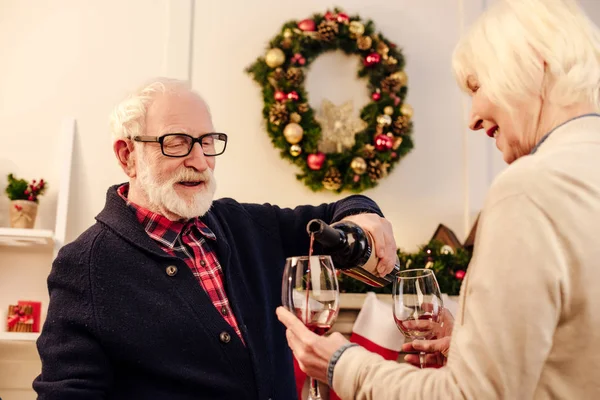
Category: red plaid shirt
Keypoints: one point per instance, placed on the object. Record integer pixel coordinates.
(187, 240)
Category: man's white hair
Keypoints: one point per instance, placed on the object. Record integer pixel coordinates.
(506, 48)
(128, 118)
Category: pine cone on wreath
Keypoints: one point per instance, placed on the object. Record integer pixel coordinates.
(278, 74)
(302, 108)
(375, 170)
(369, 152)
(294, 76)
(328, 30)
(278, 114)
(364, 42)
(332, 179)
(391, 85)
(401, 124)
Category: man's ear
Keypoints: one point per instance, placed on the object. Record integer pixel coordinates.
(123, 149)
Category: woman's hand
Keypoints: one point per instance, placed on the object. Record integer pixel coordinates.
(437, 349)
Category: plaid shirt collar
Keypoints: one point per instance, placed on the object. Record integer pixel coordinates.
(160, 228)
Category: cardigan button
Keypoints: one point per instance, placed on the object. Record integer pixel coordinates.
(225, 337)
(171, 270)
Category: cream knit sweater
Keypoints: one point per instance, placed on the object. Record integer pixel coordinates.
(528, 325)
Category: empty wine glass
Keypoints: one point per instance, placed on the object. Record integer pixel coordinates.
(418, 305)
(310, 290)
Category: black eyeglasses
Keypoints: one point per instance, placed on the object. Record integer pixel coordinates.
(181, 144)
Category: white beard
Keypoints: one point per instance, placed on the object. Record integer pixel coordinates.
(162, 195)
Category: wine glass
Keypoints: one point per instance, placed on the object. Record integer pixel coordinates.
(310, 291)
(418, 305)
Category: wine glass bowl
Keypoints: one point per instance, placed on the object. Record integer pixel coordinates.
(310, 291)
(417, 304)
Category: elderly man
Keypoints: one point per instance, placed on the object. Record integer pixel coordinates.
(170, 295)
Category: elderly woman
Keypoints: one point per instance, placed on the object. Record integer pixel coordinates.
(528, 324)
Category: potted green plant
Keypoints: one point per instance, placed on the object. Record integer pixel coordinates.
(24, 200)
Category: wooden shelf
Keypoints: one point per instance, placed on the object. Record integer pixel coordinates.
(19, 336)
(26, 237)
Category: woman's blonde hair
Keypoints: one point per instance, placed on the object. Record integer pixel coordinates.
(511, 44)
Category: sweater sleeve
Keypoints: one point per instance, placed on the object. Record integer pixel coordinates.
(511, 302)
(292, 222)
(74, 365)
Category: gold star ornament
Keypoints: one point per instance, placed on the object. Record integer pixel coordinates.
(339, 125)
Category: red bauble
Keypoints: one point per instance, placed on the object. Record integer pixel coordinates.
(315, 161)
(293, 96)
(329, 16)
(372, 59)
(376, 96)
(383, 142)
(307, 25)
(460, 274)
(356, 178)
(279, 95)
(343, 18)
(394, 154)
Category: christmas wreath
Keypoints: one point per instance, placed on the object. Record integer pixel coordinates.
(333, 149)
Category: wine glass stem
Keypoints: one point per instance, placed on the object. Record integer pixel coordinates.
(314, 393)
(422, 359)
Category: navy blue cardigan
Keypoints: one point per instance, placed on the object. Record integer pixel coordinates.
(123, 323)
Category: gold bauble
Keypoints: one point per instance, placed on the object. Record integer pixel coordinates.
(401, 77)
(287, 33)
(356, 28)
(275, 57)
(407, 110)
(388, 110)
(295, 117)
(446, 249)
(295, 150)
(293, 133)
(384, 120)
(358, 165)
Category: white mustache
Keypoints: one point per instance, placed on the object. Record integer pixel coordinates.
(190, 175)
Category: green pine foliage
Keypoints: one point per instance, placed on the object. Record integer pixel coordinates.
(433, 255)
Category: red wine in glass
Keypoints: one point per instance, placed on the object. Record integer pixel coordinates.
(319, 329)
(310, 290)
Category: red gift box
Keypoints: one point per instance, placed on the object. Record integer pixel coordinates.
(36, 312)
(24, 316)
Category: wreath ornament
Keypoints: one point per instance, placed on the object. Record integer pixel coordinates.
(334, 149)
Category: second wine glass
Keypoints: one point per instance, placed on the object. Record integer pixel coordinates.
(310, 291)
(418, 305)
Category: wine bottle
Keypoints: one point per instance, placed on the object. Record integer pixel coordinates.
(351, 250)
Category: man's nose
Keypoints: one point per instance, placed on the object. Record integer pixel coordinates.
(196, 159)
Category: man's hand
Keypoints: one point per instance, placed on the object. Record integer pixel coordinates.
(383, 236)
